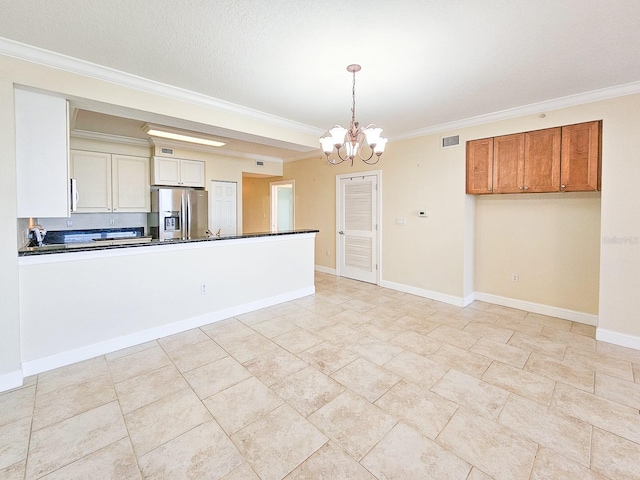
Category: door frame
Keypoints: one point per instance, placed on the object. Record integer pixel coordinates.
(378, 236)
(273, 203)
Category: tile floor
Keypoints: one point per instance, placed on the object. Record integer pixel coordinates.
(355, 382)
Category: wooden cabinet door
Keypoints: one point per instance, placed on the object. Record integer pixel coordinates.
(542, 160)
(130, 181)
(480, 166)
(580, 163)
(166, 171)
(92, 171)
(508, 163)
(192, 173)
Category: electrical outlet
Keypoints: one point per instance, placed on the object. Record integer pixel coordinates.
(203, 289)
(112, 222)
(401, 221)
(69, 223)
(515, 277)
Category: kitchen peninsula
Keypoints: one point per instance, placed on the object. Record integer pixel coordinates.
(84, 302)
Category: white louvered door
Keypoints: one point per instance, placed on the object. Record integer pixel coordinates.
(357, 228)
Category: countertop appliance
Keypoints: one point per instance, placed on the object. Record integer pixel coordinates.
(178, 213)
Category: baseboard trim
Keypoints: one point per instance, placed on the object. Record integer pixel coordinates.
(580, 317)
(620, 339)
(11, 380)
(321, 269)
(40, 365)
(421, 292)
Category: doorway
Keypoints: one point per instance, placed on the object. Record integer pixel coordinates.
(357, 226)
(283, 211)
(222, 208)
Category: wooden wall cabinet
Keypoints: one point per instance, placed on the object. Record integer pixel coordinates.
(480, 166)
(557, 159)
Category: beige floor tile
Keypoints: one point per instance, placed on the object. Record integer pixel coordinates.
(203, 452)
(353, 423)
(324, 308)
(14, 472)
(519, 325)
(68, 401)
(274, 327)
(256, 316)
(506, 311)
(113, 461)
(298, 340)
(600, 412)
(615, 457)
(249, 347)
(313, 322)
(492, 448)
(366, 379)
(600, 362)
(340, 334)
(333, 297)
(71, 374)
(16, 404)
(182, 339)
(328, 357)
(526, 384)
(378, 331)
(274, 366)
(385, 313)
(477, 474)
(445, 308)
(508, 354)
(410, 323)
(216, 376)
(463, 360)
(135, 364)
(243, 472)
(308, 390)
(550, 465)
(404, 453)
(449, 320)
(193, 356)
(583, 329)
(330, 462)
(564, 434)
(14, 442)
(65, 442)
(620, 391)
(289, 310)
(538, 344)
(421, 409)
(149, 387)
(551, 322)
(387, 301)
(622, 353)
(636, 373)
(416, 369)
(251, 400)
(477, 396)
(579, 376)
(165, 419)
(351, 318)
(128, 351)
(574, 339)
(488, 331)
(453, 336)
(278, 442)
(477, 315)
(358, 305)
(374, 350)
(227, 331)
(416, 342)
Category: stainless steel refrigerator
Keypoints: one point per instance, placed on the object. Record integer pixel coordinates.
(178, 213)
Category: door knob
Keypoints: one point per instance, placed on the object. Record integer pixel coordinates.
(341, 232)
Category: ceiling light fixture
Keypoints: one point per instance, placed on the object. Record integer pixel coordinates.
(349, 140)
(154, 131)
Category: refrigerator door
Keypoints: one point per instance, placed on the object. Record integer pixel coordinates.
(197, 215)
(171, 206)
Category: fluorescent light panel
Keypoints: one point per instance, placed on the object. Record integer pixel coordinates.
(184, 138)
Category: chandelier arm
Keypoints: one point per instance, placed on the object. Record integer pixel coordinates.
(369, 162)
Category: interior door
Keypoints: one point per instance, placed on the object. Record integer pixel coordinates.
(357, 228)
(283, 206)
(223, 208)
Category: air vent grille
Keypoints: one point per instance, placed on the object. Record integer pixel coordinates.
(167, 151)
(452, 141)
(259, 163)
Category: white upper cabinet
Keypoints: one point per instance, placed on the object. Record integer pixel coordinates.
(42, 155)
(111, 183)
(178, 172)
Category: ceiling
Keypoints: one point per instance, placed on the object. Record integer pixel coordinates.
(424, 62)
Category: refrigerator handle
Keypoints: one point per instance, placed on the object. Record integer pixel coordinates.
(189, 232)
(183, 216)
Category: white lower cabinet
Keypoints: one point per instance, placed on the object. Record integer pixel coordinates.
(110, 183)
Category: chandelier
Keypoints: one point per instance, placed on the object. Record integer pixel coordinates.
(347, 141)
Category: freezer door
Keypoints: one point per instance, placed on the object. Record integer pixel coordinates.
(197, 213)
(171, 206)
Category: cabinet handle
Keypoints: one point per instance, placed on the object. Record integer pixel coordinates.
(520, 188)
(563, 186)
(489, 188)
(526, 188)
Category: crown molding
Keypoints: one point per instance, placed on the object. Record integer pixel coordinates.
(106, 137)
(531, 109)
(48, 58)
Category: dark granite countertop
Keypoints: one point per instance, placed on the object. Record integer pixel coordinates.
(92, 247)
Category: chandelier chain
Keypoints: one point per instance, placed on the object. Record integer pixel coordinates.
(353, 99)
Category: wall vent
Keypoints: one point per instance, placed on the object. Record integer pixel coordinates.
(166, 151)
(448, 142)
(259, 163)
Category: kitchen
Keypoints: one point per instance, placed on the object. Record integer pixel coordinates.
(132, 249)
